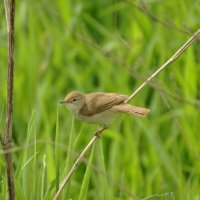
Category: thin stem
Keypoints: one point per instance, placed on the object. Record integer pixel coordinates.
(78, 161)
(143, 8)
(190, 41)
(98, 133)
(7, 13)
(7, 138)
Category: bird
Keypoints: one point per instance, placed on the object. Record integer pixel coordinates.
(100, 107)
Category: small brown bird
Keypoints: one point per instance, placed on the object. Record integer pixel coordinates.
(99, 107)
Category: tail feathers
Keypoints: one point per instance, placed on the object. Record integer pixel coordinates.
(133, 110)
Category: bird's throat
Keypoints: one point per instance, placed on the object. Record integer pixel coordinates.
(73, 108)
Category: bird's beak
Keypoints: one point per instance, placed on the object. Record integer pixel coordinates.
(62, 102)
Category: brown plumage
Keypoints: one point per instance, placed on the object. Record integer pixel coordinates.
(133, 110)
(99, 107)
(98, 102)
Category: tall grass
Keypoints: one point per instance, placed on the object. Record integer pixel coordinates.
(103, 46)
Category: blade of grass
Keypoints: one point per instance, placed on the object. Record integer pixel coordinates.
(1, 113)
(166, 196)
(57, 152)
(157, 144)
(25, 152)
(29, 160)
(34, 165)
(69, 159)
(19, 192)
(86, 179)
(49, 189)
(44, 166)
(22, 171)
(101, 180)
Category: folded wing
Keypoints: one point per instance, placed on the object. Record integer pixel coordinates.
(101, 102)
(133, 110)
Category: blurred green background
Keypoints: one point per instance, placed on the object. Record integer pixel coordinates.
(109, 46)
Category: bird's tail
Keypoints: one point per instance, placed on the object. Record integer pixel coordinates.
(132, 110)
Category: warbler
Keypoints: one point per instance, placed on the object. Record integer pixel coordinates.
(99, 107)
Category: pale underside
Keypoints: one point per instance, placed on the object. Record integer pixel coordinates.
(104, 117)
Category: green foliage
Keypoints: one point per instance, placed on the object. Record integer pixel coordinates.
(108, 46)
(86, 179)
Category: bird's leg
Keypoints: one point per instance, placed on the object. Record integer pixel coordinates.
(98, 133)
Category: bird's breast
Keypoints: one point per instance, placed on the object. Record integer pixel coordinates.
(101, 118)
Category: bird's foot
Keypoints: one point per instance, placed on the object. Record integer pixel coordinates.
(98, 133)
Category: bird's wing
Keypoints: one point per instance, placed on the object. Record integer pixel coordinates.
(133, 110)
(99, 102)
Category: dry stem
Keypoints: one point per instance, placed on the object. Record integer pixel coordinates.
(190, 41)
(78, 161)
(7, 138)
(143, 8)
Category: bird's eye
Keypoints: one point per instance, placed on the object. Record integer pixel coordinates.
(74, 100)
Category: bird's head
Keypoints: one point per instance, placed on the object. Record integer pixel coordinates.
(74, 101)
